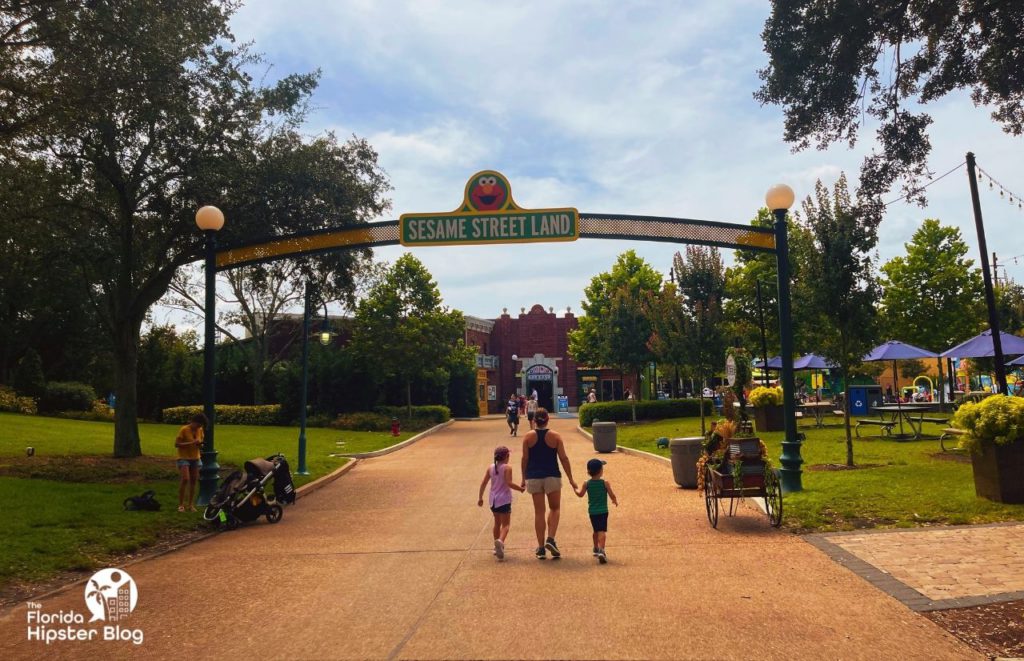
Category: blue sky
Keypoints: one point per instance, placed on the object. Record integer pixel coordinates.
(619, 107)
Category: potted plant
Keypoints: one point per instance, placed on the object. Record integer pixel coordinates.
(995, 437)
(767, 403)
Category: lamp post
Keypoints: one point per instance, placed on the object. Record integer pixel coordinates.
(779, 199)
(210, 220)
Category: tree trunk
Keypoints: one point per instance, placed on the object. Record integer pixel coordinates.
(703, 426)
(846, 419)
(408, 398)
(126, 366)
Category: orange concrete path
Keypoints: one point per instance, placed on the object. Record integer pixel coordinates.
(394, 560)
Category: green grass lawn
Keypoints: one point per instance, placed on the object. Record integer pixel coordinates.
(910, 483)
(63, 507)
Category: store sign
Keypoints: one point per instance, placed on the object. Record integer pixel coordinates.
(489, 215)
(539, 373)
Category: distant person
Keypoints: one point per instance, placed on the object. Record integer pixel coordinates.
(534, 394)
(627, 394)
(542, 451)
(598, 491)
(188, 443)
(522, 405)
(512, 415)
(500, 476)
(591, 396)
(531, 410)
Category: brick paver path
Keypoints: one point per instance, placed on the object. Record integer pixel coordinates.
(394, 560)
(947, 567)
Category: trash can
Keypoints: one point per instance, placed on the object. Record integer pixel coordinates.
(604, 436)
(685, 453)
(864, 398)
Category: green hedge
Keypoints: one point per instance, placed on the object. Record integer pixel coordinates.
(268, 414)
(12, 403)
(434, 414)
(67, 396)
(362, 421)
(657, 409)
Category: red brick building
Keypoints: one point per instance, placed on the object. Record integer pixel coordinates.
(530, 352)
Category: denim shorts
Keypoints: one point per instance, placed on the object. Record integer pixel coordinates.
(191, 463)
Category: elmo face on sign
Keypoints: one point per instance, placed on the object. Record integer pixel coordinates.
(488, 193)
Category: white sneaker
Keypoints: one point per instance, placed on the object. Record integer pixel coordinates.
(499, 549)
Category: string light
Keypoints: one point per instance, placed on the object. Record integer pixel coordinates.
(1004, 192)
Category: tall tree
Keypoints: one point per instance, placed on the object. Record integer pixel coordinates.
(846, 292)
(588, 344)
(932, 296)
(627, 330)
(403, 330)
(669, 324)
(834, 64)
(1010, 304)
(701, 280)
(157, 115)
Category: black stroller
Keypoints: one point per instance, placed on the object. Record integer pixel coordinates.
(241, 497)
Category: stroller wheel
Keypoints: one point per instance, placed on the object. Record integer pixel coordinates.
(232, 522)
(274, 515)
(211, 512)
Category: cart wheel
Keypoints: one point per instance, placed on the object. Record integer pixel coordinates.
(274, 515)
(773, 497)
(710, 498)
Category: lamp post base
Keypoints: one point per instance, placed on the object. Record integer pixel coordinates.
(209, 474)
(790, 474)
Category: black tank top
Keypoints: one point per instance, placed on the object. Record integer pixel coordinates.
(543, 459)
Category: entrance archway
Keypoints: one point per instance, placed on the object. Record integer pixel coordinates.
(541, 379)
(489, 215)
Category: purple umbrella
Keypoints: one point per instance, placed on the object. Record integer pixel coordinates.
(980, 346)
(895, 350)
(773, 363)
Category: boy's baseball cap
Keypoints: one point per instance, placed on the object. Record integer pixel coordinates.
(594, 465)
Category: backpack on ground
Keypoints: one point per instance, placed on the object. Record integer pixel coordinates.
(145, 502)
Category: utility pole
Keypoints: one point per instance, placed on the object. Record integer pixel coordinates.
(990, 296)
(995, 269)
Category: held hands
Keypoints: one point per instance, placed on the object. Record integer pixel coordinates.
(480, 502)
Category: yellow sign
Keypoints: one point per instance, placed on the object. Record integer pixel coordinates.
(488, 215)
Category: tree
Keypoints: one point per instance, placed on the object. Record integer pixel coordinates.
(28, 377)
(1010, 304)
(667, 315)
(846, 292)
(701, 280)
(170, 370)
(626, 329)
(740, 305)
(402, 329)
(932, 296)
(156, 116)
(833, 63)
(588, 343)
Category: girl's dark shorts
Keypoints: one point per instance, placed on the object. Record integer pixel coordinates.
(529, 415)
(504, 509)
(600, 522)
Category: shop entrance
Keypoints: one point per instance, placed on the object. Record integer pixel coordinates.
(541, 379)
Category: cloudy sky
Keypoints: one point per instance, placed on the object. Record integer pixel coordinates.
(619, 107)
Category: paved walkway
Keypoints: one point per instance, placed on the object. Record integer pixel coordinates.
(936, 568)
(394, 560)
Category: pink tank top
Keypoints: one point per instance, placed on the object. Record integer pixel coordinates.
(501, 494)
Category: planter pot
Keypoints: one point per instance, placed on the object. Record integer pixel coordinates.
(769, 418)
(999, 472)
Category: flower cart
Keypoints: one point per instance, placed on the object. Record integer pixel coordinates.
(737, 468)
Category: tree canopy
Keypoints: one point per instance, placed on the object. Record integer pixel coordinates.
(835, 65)
(932, 296)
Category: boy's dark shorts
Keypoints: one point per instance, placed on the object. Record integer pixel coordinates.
(600, 522)
(503, 509)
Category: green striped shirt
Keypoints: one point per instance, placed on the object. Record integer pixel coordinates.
(597, 497)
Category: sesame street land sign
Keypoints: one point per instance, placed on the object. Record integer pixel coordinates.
(489, 215)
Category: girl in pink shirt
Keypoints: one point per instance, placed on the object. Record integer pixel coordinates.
(499, 475)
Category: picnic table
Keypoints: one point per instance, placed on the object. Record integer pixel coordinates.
(891, 415)
(818, 409)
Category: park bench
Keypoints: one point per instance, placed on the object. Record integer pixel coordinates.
(938, 421)
(886, 425)
(950, 433)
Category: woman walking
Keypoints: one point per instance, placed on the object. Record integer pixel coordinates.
(542, 451)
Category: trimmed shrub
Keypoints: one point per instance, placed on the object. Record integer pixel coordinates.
(28, 375)
(227, 414)
(434, 414)
(61, 396)
(12, 403)
(656, 409)
(362, 422)
(99, 412)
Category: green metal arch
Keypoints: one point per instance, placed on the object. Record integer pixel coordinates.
(592, 226)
